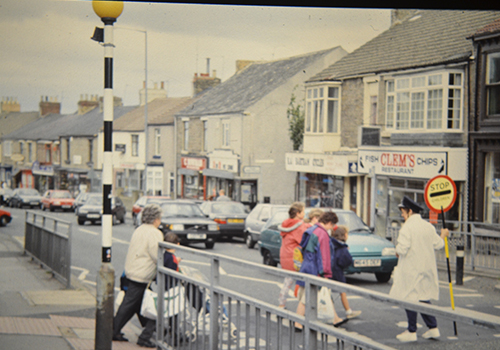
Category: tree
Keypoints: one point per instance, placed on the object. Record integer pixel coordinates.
(295, 115)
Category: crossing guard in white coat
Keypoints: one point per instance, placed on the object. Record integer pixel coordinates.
(415, 278)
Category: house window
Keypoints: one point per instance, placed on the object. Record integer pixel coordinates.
(225, 133)
(91, 150)
(318, 118)
(48, 154)
(186, 135)
(68, 151)
(56, 153)
(205, 135)
(7, 148)
(373, 110)
(30, 152)
(157, 142)
(135, 145)
(21, 147)
(425, 102)
(493, 84)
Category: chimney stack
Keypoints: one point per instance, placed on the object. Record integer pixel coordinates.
(10, 104)
(85, 104)
(49, 106)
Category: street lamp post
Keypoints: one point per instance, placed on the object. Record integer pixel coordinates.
(108, 11)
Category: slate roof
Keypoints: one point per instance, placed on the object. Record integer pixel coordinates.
(11, 121)
(250, 85)
(161, 111)
(429, 37)
(53, 126)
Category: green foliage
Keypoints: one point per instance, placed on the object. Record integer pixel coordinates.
(296, 118)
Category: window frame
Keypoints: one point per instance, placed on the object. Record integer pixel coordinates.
(488, 85)
(318, 104)
(413, 101)
(205, 135)
(134, 150)
(157, 136)
(186, 135)
(226, 130)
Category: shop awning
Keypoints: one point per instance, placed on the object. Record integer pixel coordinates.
(218, 173)
(184, 171)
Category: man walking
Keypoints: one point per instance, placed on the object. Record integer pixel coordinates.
(415, 278)
(140, 269)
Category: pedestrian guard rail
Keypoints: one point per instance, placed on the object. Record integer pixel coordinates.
(479, 243)
(241, 320)
(48, 240)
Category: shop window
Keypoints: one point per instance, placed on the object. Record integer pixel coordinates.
(492, 188)
(322, 190)
(425, 102)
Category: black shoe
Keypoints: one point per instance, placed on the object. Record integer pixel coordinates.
(145, 343)
(120, 338)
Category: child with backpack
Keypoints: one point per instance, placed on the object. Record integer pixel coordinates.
(341, 260)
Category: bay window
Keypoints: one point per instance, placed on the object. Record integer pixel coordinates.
(425, 102)
(322, 109)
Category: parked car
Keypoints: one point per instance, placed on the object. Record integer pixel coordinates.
(92, 210)
(142, 202)
(256, 220)
(5, 217)
(5, 194)
(58, 199)
(81, 199)
(370, 252)
(229, 215)
(25, 197)
(187, 221)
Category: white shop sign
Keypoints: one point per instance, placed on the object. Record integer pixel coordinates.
(320, 163)
(413, 164)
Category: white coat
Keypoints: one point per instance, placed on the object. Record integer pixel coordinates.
(415, 277)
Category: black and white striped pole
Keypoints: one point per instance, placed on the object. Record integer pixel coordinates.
(108, 11)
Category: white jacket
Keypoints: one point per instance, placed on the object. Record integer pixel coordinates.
(415, 277)
(142, 255)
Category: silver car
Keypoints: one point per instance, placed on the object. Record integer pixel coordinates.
(256, 220)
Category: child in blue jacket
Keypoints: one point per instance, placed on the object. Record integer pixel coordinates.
(341, 259)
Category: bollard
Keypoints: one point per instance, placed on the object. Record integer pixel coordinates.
(459, 278)
(105, 307)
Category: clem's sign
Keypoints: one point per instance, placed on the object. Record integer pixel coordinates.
(404, 164)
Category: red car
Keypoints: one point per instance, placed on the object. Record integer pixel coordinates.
(5, 217)
(58, 199)
(142, 202)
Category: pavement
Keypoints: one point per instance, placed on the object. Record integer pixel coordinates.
(38, 312)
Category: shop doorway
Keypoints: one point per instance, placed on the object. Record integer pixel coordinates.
(248, 191)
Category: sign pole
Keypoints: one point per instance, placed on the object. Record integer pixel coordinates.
(449, 273)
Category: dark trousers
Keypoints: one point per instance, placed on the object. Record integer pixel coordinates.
(430, 321)
(131, 305)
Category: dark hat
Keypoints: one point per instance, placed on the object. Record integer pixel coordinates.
(410, 204)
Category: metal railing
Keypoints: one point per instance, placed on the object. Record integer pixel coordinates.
(48, 240)
(240, 320)
(481, 243)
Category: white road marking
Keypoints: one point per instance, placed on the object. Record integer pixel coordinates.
(496, 307)
(452, 338)
(255, 279)
(83, 274)
(117, 240)
(447, 285)
(468, 295)
(89, 231)
(496, 335)
(221, 270)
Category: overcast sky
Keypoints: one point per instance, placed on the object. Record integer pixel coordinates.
(46, 48)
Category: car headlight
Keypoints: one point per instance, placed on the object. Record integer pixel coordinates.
(213, 227)
(177, 227)
(57, 203)
(388, 251)
(83, 211)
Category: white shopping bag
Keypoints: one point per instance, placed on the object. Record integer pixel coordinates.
(173, 302)
(325, 305)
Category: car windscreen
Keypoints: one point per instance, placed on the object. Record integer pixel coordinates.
(61, 195)
(182, 210)
(94, 200)
(353, 222)
(277, 219)
(28, 192)
(228, 208)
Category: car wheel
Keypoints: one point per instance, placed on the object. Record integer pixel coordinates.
(3, 221)
(81, 221)
(249, 241)
(51, 208)
(383, 277)
(268, 259)
(209, 245)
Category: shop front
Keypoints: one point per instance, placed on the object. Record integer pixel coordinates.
(222, 174)
(44, 178)
(326, 180)
(394, 172)
(191, 182)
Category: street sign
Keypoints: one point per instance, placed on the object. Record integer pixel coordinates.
(440, 193)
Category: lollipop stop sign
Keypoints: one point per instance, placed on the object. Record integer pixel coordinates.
(440, 193)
